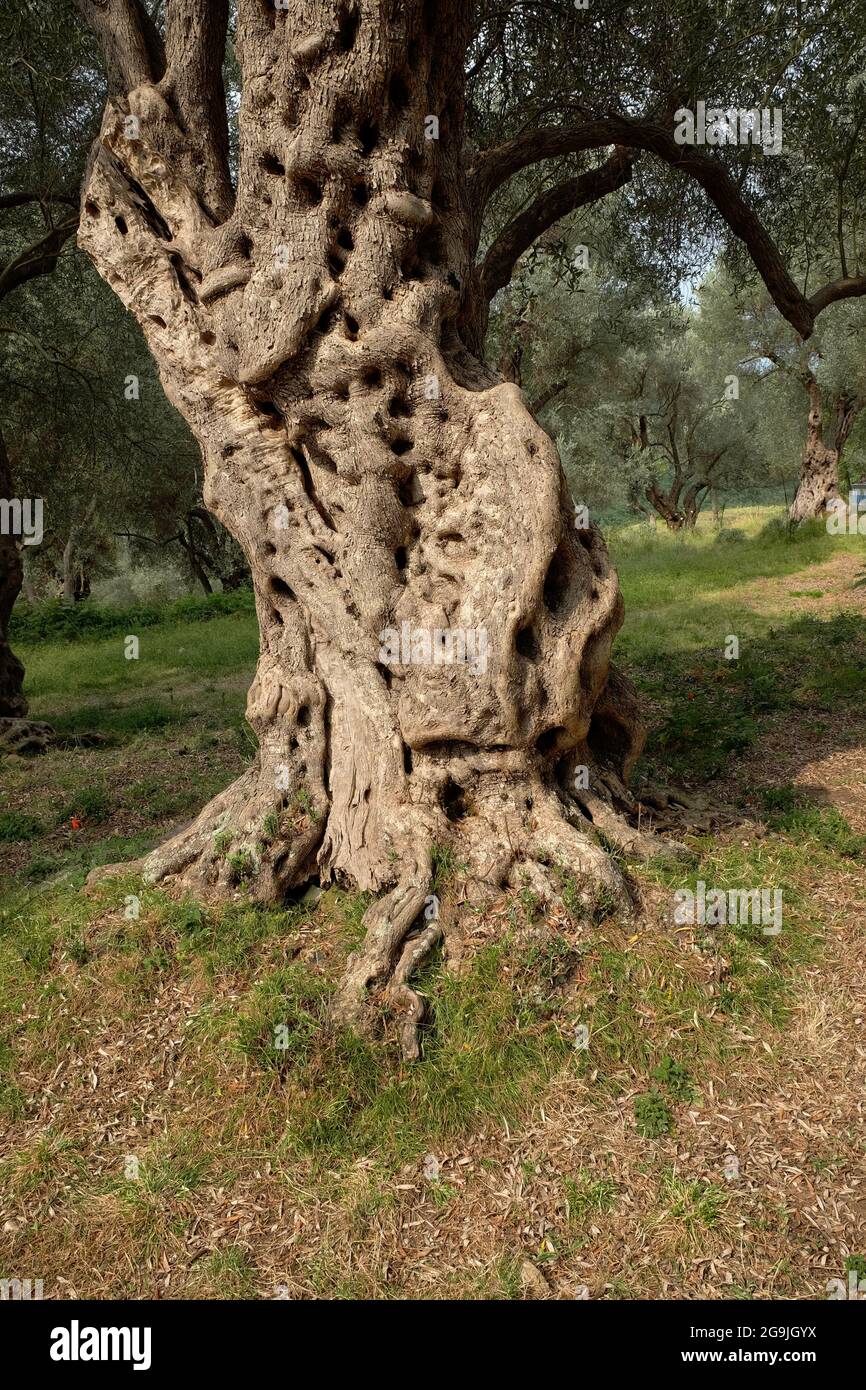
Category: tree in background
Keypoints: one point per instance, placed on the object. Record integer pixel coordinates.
(686, 435)
(833, 373)
(647, 398)
(818, 193)
(810, 198)
(828, 372)
(50, 94)
(92, 433)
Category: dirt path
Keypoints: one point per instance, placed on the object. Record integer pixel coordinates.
(817, 590)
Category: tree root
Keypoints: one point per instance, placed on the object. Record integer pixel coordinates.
(229, 844)
(388, 922)
(673, 808)
(25, 737)
(402, 997)
(517, 836)
(515, 830)
(612, 809)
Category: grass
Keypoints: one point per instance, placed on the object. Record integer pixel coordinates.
(274, 1151)
(684, 597)
(17, 825)
(487, 1047)
(588, 1196)
(57, 621)
(681, 590)
(652, 1115)
(691, 1208)
(788, 810)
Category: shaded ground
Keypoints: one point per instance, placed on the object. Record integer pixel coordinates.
(156, 1140)
(829, 585)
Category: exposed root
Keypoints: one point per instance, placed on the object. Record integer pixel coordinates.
(25, 736)
(613, 810)
(388, 922)
(514, 829)
(229, 844)
(518, 834)
(405, 999)
(673, 808)
(558, 840)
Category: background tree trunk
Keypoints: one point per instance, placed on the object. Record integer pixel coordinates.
(818, 484)
(27, 586)
(381, 481)
(76, 584)
(667, 505)
(187, 542)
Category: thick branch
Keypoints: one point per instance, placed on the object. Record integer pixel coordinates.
(195, 39)
(33, 195)
(38, 259)
(130, 43)
(546, 397)
(519, 234)
(847, 287)
(496, 165)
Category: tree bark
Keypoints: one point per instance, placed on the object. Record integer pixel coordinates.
(818, 483)
(383, 483)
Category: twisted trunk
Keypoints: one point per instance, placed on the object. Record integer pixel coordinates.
(667, 505)
(435, 633)
(818, 484)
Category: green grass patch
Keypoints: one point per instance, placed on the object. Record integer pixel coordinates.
(788, 809)
(76, 622)
(652, 1115)
(588, 1196)
(18, 825)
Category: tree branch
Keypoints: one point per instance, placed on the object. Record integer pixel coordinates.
(547, 396)
(846, 287)
(495, 165)
(38, 259)
(129, 40)
(195, 37)
(519, 234)
(30, 195)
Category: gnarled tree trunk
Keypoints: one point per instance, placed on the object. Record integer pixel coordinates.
(435, 633)
(667, 505)
(818, 484)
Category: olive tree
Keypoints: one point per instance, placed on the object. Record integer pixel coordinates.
(436, 625)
